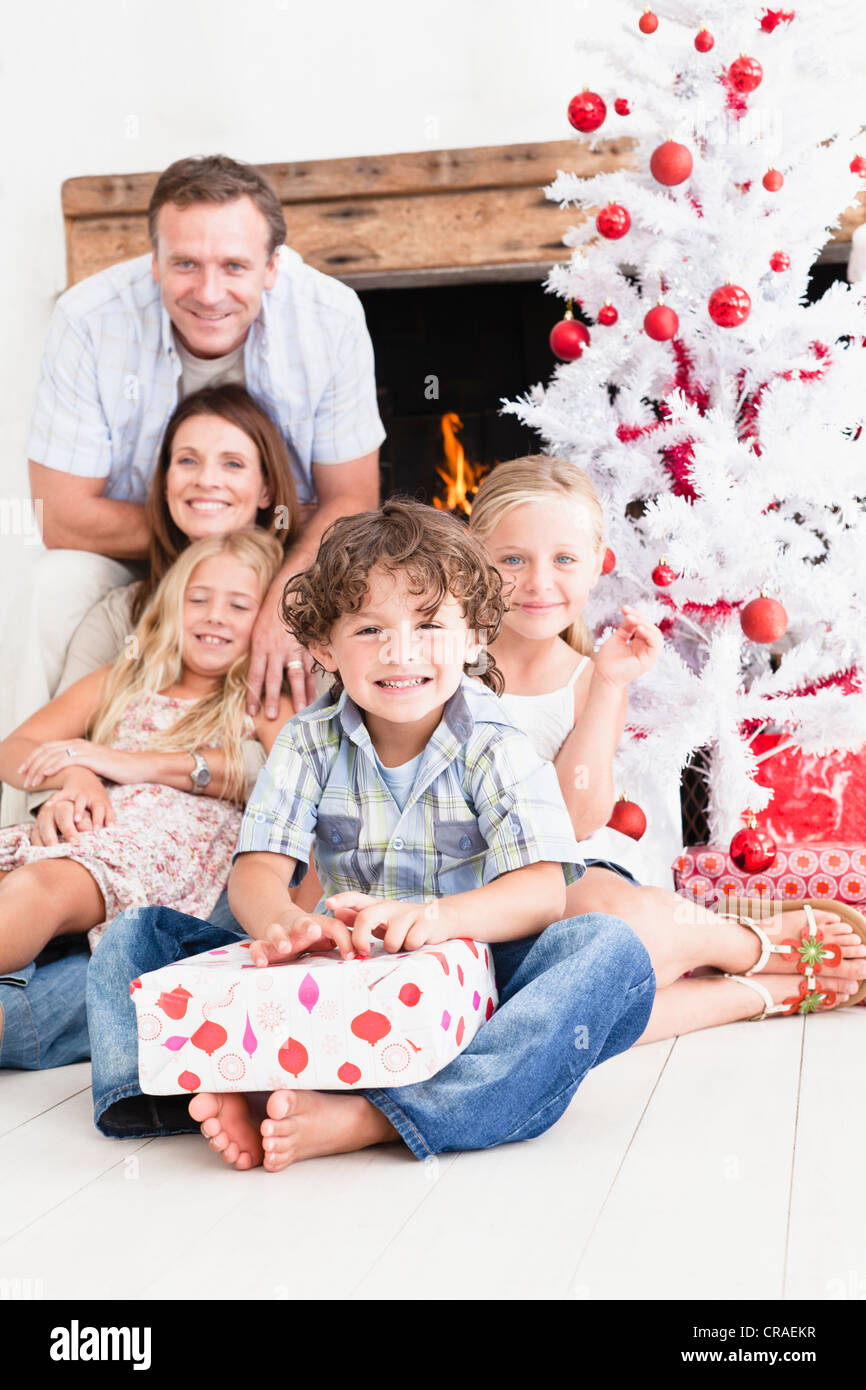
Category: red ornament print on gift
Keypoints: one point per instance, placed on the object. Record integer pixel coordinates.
(370, 1026)
(175, 1002)
(209, 1037)
(409, 995)
(293, 1056)
(189, 1081)
(349, 1073)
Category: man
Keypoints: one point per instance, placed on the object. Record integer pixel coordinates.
(219, 298)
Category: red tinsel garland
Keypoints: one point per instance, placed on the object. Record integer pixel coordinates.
(684, 380)
(772, 18)
(848, 681)
(677, 459)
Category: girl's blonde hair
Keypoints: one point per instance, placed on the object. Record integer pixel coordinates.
(533, 479)
(156, 660)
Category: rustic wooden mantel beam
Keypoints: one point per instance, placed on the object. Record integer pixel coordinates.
(436, 216)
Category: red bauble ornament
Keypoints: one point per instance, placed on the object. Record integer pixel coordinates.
(568, 338)
(613, 221)
(773, 180)
(648, 22)
(663, 575)
(780, 260)
(608, 562)
(858, 165)
(621, 107)
(729, 306)
(628, 819)
(745, 73)
(661, 323)
(671, 163)
(753, 850)
(607, 314)
(764, 620)
(586, 111)
(704, 40)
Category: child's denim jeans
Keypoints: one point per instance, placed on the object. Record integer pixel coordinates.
(570, 998)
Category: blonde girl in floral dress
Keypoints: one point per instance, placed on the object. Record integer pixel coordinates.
(149, 750)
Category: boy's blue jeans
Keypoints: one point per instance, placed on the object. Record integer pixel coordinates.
(570, 998)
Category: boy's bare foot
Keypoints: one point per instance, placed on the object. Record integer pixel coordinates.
(229, 1127)
(787, 926)
(308, 1124)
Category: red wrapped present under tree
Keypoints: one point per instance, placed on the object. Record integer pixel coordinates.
(816, 798)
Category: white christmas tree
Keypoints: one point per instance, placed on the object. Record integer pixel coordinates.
(729, 447)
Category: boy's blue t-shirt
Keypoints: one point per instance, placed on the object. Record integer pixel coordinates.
(482, 803)
(399, 780)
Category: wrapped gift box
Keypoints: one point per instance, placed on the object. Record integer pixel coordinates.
(216, 1022)
(814, 798)
(708, 873)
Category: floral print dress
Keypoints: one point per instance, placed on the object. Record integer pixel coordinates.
(166, 848)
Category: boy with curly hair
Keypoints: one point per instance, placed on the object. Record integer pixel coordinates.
(429, 816)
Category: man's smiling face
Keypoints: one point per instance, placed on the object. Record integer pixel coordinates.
(212, 262)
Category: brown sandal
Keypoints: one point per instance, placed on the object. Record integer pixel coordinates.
(814, 954)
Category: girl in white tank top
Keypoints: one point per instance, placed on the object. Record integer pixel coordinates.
(549, 551)
(541, 523)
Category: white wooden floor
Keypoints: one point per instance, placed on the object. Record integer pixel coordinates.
(723, 1165)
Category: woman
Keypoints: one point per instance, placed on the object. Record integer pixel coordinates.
(223, 465)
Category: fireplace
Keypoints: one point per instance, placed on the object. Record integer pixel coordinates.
(455, 348)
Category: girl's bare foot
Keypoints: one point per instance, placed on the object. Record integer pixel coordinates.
(308, 1124)
(229, 1127)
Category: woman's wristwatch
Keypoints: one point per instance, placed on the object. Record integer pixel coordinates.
(200, 775)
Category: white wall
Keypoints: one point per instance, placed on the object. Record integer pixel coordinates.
(112, 86)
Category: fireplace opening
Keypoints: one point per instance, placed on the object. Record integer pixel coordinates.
(455, 350)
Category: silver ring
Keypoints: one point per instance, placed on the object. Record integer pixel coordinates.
(294, 665)
(70, 752)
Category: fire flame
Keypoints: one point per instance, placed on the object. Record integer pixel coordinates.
(460, 477)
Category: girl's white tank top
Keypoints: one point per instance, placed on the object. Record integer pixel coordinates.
(547, 720)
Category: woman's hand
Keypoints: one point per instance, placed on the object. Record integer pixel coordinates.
(59, 756)
(630, 651)
(82, 805)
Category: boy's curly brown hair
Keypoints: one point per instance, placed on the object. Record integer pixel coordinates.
(440, 557)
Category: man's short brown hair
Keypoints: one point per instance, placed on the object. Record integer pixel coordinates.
(214, 178)
(437, 554)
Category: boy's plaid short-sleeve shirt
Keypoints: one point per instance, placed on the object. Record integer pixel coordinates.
(483, 803)
(110, 371)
